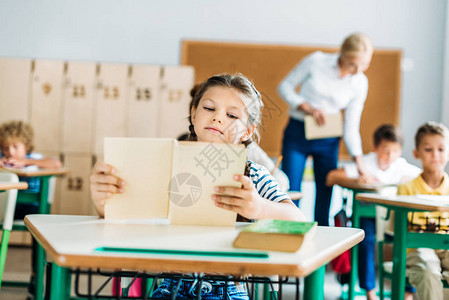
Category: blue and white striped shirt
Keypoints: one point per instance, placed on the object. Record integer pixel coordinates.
(266, 185)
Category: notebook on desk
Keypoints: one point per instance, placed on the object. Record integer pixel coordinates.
(167, 178)
(12, 169)
(332, 128)
(437, 199)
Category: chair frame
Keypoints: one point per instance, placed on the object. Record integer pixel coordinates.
(7, 218)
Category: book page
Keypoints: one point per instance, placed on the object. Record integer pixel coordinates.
(145, 165)
(332, 128)
(197, 169)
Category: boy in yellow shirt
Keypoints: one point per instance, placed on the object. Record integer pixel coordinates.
(424, 265)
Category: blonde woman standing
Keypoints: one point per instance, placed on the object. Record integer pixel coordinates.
(330, 83)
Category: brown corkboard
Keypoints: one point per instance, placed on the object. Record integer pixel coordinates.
(268, 64)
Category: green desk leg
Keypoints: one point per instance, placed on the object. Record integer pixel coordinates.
(44, 208)
(314, 285)
(354, 250)
(60, 283)
(399, 253)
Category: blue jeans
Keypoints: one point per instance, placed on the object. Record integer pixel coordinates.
(209, 290)
(324, 152)
(367, 269)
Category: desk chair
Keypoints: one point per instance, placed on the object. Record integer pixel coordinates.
(44, 197)
(7, 208)
(384, 235)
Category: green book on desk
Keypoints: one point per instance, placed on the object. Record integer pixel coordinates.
(275, 235)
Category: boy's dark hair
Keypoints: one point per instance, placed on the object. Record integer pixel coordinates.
(431, 128)
(19, 130)
(387, 132)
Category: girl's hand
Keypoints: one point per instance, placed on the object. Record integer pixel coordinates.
(104, 184)
(245, 201)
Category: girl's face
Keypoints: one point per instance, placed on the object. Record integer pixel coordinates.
(221, 117)
(14, 148)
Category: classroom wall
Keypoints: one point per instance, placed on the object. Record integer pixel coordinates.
(144, 31)
(445, 108)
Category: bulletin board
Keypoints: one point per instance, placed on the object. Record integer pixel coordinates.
(268, 64)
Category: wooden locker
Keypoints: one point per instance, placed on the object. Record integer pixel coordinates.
(20, 238)
(78, 107)
(46, 99)
(143, 110)
(177, 82)
(75, 195)
(110, 103)
(15, 76)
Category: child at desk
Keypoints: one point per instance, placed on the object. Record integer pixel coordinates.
(424, 266)
(225, 109)
(16, 145)
(387, 167)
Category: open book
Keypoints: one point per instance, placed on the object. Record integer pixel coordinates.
(332, 128)
(167, 178)
(275, 235)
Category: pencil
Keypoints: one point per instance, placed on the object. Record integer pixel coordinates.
(276, 165)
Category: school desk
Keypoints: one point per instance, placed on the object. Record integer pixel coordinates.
(75, 241)
(403, 239)
(358, 212)
(41, 198)
(13, 185)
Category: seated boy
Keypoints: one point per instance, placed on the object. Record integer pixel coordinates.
(424, 266)
(387, 167)
(16, 146)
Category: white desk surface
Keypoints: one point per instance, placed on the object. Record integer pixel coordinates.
(71, 241)
(404, 201)
(13, 186)
(366, 187)
(36, 172)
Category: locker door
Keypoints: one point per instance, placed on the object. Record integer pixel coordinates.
(75, 195)
(111, 103)
(144, 84)
(78, 107)
(177, 82)
(46, 99)
(15, 75)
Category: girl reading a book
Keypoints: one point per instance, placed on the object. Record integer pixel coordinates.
(225, 109)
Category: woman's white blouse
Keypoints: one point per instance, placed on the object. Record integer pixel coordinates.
(322, 88)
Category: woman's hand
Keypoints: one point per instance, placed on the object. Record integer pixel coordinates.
(104, 184)
(317, 114)
(365, 177)
(245, 201)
